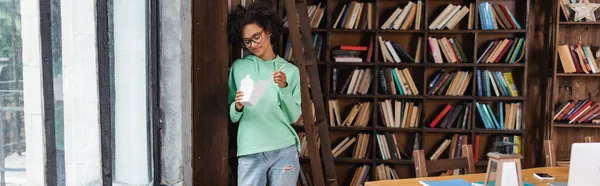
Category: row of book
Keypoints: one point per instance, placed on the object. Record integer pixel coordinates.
(451, 16)
(359, 115)
(361, 175)
(317, 44)
(400, 114)
(452, 83)
(578, 111)
(510, 49)
(509, 115)
(388, 147)
(495, 82)
(347, 53)
(385, 172)
(315, 15)
(492, 15)
(404, 18)
(355, 15)
(358, 82)
(360, 149)
(393, 52)
(458, 116)
(455, 143)
(451, 49)
(397, 82)
(579, 58)
(304, 146)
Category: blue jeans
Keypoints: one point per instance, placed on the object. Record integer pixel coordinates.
(279, 167)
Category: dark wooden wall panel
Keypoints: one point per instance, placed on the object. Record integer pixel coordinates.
(539, 60)
(210, 58)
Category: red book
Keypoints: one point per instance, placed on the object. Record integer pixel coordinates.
(571, 105)
(504, 50)
(580, 110)
(575, 59)
(476, 149)
(505, 11)
(452, 50)
(354, 48)
(592, 110)
(440, 116)
(370, 52)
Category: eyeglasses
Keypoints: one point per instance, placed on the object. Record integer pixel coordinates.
(256, 38)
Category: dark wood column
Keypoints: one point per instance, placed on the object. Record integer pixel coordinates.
(210, 57)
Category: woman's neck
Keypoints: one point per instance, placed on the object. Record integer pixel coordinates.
(268, 55)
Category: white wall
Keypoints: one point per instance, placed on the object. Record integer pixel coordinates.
(131, 139)
(82, 131)
(32, 92)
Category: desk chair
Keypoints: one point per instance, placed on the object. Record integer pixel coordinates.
(423, 166)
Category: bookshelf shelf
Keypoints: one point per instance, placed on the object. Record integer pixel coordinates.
(450, 97)
(578, 23)
(390, 129)
(500, 65)
(338, 128)
(450, 130)
(472, 43)
(496, 131)
(576, 125)
(401, 162)
(500, 98)
(576, 75)
(501, 31)
(401, 31)
(408, 64)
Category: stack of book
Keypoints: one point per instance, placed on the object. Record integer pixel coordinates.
(304, 146)
(347, 53)
(508, 118)
(458, 117)
(384, 172)
(578, 111)
(388, 147)
(501, 84)
(400, 114)
(317, 43)
(355, 15)
(361, 176)
(358, 82)
(497, 14)
(393, 52)
(451, 49)
(451, 16)
(404, 18)
(359, 115)
(510, 49)
(360, 150)
(449, 83)
(455, 143)
(397, 82)
(578, 58)
(315, 16)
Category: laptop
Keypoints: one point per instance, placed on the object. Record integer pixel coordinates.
(584, 168)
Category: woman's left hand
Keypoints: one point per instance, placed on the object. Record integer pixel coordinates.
(280, 78)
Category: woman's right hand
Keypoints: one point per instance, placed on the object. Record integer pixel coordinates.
(238, 97)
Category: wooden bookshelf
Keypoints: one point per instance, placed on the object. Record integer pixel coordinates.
(474, 42)
(580, 85)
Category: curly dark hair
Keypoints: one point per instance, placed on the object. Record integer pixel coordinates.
(260, 13)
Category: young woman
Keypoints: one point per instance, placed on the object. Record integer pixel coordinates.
(267, 145)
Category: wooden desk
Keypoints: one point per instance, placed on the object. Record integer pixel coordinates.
(561, 174)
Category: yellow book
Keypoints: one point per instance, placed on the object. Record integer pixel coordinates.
(511, 83)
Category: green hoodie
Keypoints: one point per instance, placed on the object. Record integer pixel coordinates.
(265, 126)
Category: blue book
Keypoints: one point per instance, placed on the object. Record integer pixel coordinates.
(482, 115)
(512, 49)
(501, 110)
(518, 50)
(498, 126)
(504, 85)
(493, 183)
(453, 182)
(486, 115)
(397, 82)
(341, 23)
(478, 76)
(513, 18)
(482, 16)
(437, 76)
(486, 79)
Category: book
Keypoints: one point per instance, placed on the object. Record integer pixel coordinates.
(452, 182)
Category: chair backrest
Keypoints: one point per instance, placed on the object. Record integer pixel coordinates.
(549, 153)
(423, 166)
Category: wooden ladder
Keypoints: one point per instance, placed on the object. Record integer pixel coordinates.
(307, 63)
